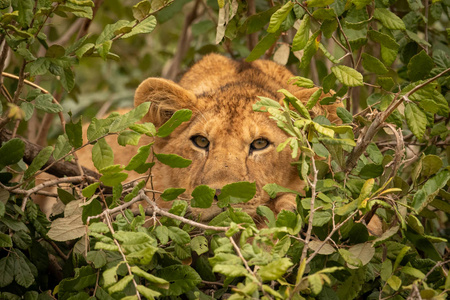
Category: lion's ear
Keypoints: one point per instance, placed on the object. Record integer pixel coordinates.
(166, 97)
(329, 111)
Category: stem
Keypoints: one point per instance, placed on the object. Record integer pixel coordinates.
(313, 184)
(108, 222)
(75, 179)
(368, 133)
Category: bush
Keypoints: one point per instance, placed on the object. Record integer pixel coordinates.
(386, 165)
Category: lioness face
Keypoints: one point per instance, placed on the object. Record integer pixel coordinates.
(228, 147)
(225, 139)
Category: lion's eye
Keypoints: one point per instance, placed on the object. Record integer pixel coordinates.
(200, 141)
(259, 144)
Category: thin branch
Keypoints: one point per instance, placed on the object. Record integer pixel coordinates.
(27, 82)
(48, 183)
(183, 43)
(312, 209)
(367, 135)
(335, 228)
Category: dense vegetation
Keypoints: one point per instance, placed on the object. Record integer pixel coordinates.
(388, 61)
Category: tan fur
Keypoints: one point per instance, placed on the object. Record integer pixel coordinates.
(221, 92)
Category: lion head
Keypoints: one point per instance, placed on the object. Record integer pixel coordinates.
(225, 139)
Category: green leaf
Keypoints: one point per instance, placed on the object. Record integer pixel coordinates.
(296, 103)
(121, 284)
(98, 258)
(383, 39)
(413, 272)
(312, 101)
(45, 103)
(7, 274)
(86, 49)
(66, 229)
(324, 14)
(371, 171)
(431, 164)
(25, 9)
(99, 128)
(5, 241)
(149, 277)
(363, 252)
(173, 160)
(113, 179)
(182, 279)
(388, 19)
(62, 147)
(310, 49)
(140, 158)
(202, 196)
(178, 235)
(109, 31)
(315, 283)
(128, 137)
(416, 119)
(11, 152)
(28, 109)
(145, 26)
(103, 49)
(90, 189)
(39, 161)
(420, 66)
(279, 16)
(171, 194)
(131, 117)
(141, 10)
(199, 244)
(230, 270)
(275, 269)
(264, 44)
(102, 154)
(110, 275)
(301, 37)
(373, 64)
(74, 133)
(344, 115)
(180, 116)
(347, 75)
(318, 3)
(273, 189)
(321, 218)
(145, 128)
(237, 192)
(385, 236)
(302, 82)
(148, 293)
(430, 189)
(22, 273)
(394, 282)
(264, 104)
(386, 82)
(430, 99)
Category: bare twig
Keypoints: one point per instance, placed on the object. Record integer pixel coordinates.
(367, 135)
(312, 184)
(183, 43)
(48, 183)
(399, 151)
(108, 223)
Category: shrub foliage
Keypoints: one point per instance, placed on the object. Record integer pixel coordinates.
(388, 61)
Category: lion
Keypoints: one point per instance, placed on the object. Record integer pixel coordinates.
(225, 139)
